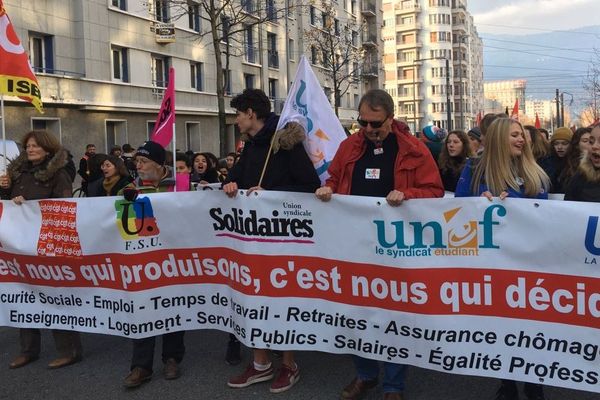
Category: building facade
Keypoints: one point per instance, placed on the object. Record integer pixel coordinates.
(433, 58)
(502, 95)
(102, 66)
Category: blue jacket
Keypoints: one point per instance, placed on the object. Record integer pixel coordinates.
(463, 187)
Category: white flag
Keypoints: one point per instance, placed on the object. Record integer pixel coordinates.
(306, 103)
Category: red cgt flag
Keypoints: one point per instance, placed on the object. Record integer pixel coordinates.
(478, 122)
(515, 112)
(538, 125)
(16, 76)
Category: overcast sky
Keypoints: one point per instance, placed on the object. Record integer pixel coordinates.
(515, 15)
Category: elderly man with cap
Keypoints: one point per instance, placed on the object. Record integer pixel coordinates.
(153, 177)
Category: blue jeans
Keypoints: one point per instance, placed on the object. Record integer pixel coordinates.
(393, 374)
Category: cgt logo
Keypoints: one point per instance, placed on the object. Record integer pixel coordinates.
(453, 237)
(136, 223)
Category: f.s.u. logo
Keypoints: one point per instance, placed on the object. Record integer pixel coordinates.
(136, 219)
(590, 236)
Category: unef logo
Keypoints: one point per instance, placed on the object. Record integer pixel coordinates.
(137, 224)
(452, 237)
(590, 239)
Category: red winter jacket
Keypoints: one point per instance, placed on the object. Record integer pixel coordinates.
(415, 172)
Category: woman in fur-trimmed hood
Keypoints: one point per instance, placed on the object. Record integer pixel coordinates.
(39, 173)
(585, 184)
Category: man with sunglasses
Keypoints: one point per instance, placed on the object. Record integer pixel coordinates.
(383, 160)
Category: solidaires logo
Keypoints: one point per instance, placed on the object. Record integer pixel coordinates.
(136, 219)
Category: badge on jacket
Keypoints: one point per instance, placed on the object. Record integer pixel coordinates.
(372, 173)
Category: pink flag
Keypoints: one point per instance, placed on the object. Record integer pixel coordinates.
(163, 128)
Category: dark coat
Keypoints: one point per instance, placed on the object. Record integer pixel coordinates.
(48, 180)
(287, 170)
(96, 188)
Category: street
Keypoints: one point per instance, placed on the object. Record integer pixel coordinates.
(106, 361)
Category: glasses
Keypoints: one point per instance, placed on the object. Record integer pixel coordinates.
(374, 124)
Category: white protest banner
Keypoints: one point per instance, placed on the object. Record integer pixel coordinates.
(502, 289)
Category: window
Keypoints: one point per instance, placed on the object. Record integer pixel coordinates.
(119, 63)
(248, 6)
(160, 71)
(291, 49)
(51, 125)
(313, 17)
(227, 81)
(272, 88)
(116, 133)
(249, 81)
(270, 9)
(194, 17)
(224, 27)
(336, 23)
(249, 45)
(41, 52)
(149, 128)
(355, 38)
(353, 7)
(121, 4)
(324, 20)
(272, 53)
(313, 55)
(192, 136)
(161, 10)
(196, 76)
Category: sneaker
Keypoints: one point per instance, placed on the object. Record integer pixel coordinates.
(136, 377)
(233, 354)
(286, 378)
(534, 391)
(171, 370)
(250, 377)
(507, 391)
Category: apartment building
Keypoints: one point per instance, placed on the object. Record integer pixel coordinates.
(501, 95)
(102, 66)
(433, 60)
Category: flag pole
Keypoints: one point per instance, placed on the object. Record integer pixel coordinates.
(4, 160)
(174, 142)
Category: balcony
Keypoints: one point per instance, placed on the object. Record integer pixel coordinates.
(273, 58)
(408, 27)
(368, 8)
(407, 8)
(408, 45)
(370, 70)
(369, 38)
(250, 54)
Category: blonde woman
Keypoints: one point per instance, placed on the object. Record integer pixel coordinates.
(506, 167)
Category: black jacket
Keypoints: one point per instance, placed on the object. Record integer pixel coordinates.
(287, 170)
(581, 189)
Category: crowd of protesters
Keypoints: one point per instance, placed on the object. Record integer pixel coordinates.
(500, 158)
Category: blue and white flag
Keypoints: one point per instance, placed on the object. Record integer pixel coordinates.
(307, 104)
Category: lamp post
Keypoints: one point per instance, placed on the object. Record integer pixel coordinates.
(415, 89)
(562, 106)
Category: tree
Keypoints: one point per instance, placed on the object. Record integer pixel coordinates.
(591, 85)
(228, 23)
(335, 45)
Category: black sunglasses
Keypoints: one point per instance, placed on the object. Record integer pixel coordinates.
(374, 124)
